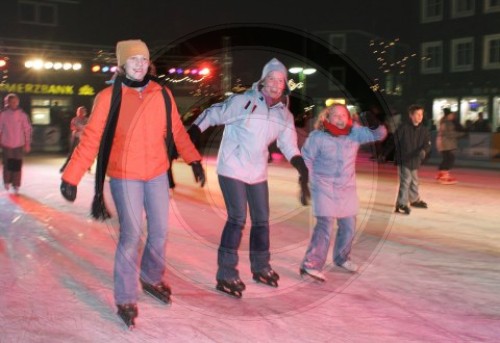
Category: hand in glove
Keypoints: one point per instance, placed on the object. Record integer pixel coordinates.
(68, 191)
(305, 194)
(199, 173)
(299, 164)
(370, 120)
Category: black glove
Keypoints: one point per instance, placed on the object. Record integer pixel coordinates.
(199, 173)
(194, 133)
(370, 120)
(299, 164)
(305, 194)
(68, 191)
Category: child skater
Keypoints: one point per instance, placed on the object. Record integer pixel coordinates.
(330, 154)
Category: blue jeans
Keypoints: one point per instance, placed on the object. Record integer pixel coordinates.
(317, 251)
(131, 197)
(236, 196)
(408, 185)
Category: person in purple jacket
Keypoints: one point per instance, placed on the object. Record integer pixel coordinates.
(330, 155)
(15, 139)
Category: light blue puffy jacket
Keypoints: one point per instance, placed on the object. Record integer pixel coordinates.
(250, 126)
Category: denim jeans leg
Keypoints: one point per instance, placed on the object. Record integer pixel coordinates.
(235, 198)
(404, 185)
(156, 202)
(258, 203)
(343, 241)
(413, 189)
(128, 196)
(317, 251)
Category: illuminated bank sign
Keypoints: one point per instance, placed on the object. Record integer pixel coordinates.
(36, 88)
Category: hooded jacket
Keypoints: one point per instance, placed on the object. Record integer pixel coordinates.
(138, 150)
(250, 127)
(15, 128)
(331, 161)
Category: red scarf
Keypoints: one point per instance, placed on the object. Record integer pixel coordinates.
(335, 131)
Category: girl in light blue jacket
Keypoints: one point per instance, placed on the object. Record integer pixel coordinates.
(330, 155)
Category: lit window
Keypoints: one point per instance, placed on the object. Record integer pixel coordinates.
(432, 57)
(491, 52)
(431, 10)
(462, 54)
(462, 8)
(37, 13)
(491, 6)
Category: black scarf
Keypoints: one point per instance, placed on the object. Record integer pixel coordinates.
(99, 210)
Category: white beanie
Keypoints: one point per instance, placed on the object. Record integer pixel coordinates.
(275, 65)
(129, 48)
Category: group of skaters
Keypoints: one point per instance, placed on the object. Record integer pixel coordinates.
(135, 122)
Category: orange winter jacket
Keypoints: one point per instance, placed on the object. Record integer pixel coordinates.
(138, 151)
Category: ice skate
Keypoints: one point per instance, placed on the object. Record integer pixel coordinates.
(440, 174)
(419, 204)
(402, 209)
(234, 287)
(349, 266)
(158, 291)
(312, 273)
(128, 313)
(447, 179)
(268, 277)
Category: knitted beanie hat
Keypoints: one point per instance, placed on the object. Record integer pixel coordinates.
(128, 48)
(275, 65)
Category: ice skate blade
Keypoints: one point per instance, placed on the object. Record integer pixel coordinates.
(232, 294)
(160, 298)
(130, 326)
(303, 273)
(266, 282)
(405, 211)
(128, 319)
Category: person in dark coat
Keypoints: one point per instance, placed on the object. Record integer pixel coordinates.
(412, 143)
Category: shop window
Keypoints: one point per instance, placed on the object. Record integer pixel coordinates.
(37, 13)
(431, 10)
(462, 8)
(491, 52)
(491, 6)
(496, 114)
(470, 107)
(462, 54)
(40, 115)
(439, 104)
(432, 60)
(44, 110)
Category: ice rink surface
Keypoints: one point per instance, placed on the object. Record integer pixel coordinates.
(432, 276)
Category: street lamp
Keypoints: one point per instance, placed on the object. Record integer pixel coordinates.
(301, 74)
